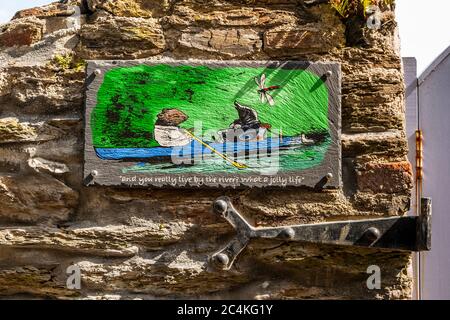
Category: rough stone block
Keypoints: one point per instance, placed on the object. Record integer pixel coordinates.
(24, 32)
(266, 270)
(385, 177)
(233, 16)
(235, 43)
(153, 243)
(27, 279)
(319, 37)
(381, 203)
(44, 165)
(131, 8)
(383, 144)
(371, 116)
(12, 131)
(372, 99)
(41, 90)
(35, 198)
(290, 206)
(120, 38)
(107, 241)
(301, 40)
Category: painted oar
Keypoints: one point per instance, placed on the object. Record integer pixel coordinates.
(234, 163)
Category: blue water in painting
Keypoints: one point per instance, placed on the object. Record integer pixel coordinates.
(194, 148)
(286, 155)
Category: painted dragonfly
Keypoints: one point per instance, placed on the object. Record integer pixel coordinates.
(264, 91)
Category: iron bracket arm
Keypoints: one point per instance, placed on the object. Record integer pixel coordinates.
(410, 233)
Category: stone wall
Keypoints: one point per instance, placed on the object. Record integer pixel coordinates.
(155, 242)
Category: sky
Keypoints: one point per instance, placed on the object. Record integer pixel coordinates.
(424, 25)
(424, 29)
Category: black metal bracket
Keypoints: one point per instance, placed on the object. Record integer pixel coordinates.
(395, 233)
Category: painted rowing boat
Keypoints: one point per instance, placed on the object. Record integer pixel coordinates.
(195, 148)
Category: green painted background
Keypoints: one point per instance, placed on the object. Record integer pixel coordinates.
(130, 99)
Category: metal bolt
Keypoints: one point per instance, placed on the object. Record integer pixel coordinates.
(97, 72)
(221, 260)
(372, 234)
(220, 206)
(321, 184)
(94, 173)
(329, 73)
(287, 234)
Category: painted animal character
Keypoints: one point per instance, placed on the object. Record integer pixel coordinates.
(248, 118)
(167, 131)
(247, 127)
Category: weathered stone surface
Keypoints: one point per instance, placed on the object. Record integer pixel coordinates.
(43, 165)
(300, 40)
(391, 204)
(61, 150)
(131, 8)
(143, 206)
(385, 177)
(319, 37)
(375, 143)
(261, 208)
(58, 151)
(22, 32)
(51, 10)
(108, 241)
(171, 117)
(305, 262)
(274, 265)
(138, 38)
(11, 130)
(284, 207)
(143, 243)
(33, 198)
(234, 43)
(372, 100)
(41, 90)
(233, 16)
(33, 281)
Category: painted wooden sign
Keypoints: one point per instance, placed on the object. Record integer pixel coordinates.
(186, 123)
